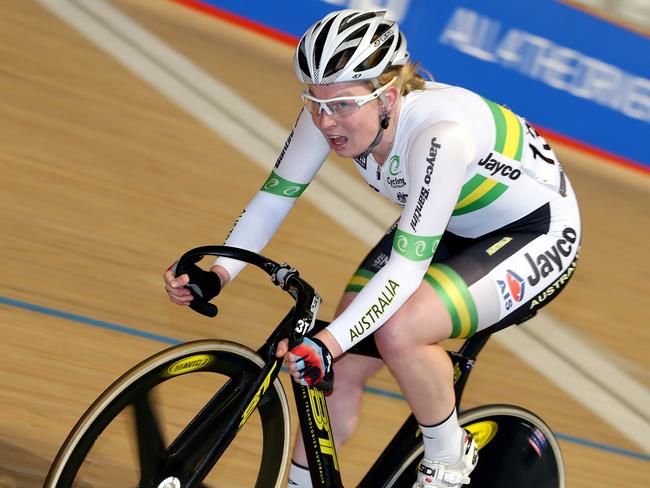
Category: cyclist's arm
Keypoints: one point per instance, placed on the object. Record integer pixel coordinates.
(304, 152)
(436, 165)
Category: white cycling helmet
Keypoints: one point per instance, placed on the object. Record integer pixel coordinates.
(349, 45)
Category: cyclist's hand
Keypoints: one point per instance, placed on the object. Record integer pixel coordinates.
(204, 285)
(310, 362)
(175, 287)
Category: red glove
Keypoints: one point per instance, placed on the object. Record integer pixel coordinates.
(313, 360)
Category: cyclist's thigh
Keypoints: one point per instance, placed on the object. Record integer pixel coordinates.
(503, 278)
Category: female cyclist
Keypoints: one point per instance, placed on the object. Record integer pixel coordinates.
(489, 231)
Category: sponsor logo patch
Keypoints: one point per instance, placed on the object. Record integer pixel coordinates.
(284, 150)
(557, 285)
(516, 285)
(424, 190)
(498, 168)
(498, 245)
(551, 260)
(393, 165)
(396, 182)
(191, 363)
(414, 247)
(362, 161)
(512, 288)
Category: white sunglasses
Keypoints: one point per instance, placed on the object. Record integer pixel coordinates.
(341, 106)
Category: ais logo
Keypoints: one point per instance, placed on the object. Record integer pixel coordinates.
(512, 288)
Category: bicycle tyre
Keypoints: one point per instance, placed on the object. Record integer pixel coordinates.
(227, 358)
(521, 452)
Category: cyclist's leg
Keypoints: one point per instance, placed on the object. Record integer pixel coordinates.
(477, 286)
(409, 344)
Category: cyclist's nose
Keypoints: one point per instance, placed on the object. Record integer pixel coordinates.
(324, 120)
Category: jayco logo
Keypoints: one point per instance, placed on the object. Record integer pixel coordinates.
(495, 167)
(424, 190)
(433, 152)
(545, 263)
(557, 285)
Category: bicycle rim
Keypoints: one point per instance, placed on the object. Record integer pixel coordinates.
(104, 435)
(516, 450)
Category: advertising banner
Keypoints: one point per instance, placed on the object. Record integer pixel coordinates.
(568, 72)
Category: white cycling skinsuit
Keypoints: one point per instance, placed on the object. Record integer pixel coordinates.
(489, 218)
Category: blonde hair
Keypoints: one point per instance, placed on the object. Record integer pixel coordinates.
(408, 77)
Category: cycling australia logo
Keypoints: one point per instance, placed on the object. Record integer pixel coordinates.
(393, 171)
(393, 166)
(512, 289)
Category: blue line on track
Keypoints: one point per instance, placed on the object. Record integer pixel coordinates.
(170, 340)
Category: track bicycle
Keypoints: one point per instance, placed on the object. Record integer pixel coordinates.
(123, 439)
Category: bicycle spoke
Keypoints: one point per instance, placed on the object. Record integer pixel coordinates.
(151, 447)
(212, 421)
(98, 451)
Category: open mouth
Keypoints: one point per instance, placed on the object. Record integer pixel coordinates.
(337, 142)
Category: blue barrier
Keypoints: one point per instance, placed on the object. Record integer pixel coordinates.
(566, 71)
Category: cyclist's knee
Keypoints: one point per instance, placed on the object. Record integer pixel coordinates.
(420, 322)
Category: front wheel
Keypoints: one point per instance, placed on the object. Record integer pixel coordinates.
(152, 427)
(516, 450)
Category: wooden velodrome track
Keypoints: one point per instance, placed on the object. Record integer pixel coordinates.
(104, 182)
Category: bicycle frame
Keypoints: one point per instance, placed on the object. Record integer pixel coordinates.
(310, 402)
(253, 384)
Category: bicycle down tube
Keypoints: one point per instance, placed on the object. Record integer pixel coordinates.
(310, 402)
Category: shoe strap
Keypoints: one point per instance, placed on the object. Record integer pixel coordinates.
(439, 472)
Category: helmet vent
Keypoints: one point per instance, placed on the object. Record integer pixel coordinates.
(319, 43)
(380, 30)
(374, 59)
(302, 60)
(352, 19)
(357, 34)
(338, 61)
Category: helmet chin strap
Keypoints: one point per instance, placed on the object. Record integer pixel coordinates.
(383, 125)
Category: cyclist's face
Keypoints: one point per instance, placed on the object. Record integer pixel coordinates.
(350, 131)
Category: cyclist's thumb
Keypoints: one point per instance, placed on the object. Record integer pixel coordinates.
(180, 281)
(282, 348)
